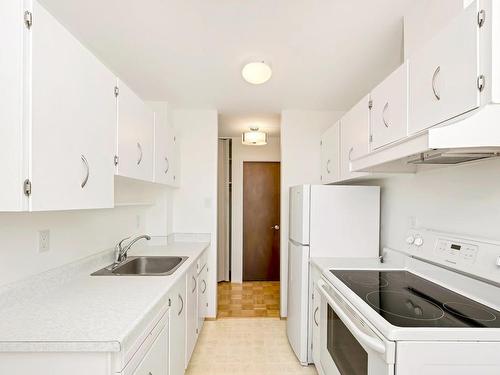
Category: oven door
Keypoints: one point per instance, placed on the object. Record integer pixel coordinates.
(348, 346)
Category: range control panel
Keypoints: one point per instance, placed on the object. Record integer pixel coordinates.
(474, 256)
(456, 251)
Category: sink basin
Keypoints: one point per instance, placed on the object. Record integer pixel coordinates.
(144, 266)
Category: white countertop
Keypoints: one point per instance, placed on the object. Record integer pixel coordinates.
(92, 313)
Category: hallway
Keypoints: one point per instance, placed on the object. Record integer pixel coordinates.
(245, 346)
(249, 299)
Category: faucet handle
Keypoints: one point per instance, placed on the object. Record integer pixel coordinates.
(119, 244)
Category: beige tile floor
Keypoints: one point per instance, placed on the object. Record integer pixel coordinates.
(238, 346)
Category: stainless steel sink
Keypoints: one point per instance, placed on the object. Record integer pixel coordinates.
(144, 266)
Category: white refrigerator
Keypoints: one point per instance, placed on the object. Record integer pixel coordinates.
(325, 221)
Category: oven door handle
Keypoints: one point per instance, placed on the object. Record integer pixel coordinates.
(368, 340)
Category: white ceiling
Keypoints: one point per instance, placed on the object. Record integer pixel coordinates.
(325, 54)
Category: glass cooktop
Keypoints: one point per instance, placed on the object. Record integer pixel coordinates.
(407, 300)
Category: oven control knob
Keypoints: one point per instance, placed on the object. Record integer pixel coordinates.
(410, 240)
(419, 241)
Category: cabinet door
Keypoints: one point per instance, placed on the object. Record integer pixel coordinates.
(316, 341)
(11, 119)
(73, 121)
(330, 154)
(164, 169)
(191, 311)
(135, 136)
(202, 297)
(443, 74)
(389, 109)
(177, 334)
(176, 159)
(314, 276)
(354, 135)
(155, 361)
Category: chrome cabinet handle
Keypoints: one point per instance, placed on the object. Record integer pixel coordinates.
(195, 284)
(275, 227)
(204, 286)
(182, 305)
(87, 173)
(434, 77)
(328, 166)
(383, 114)
(168, 165)
(140, 153)
(314, 317)
(350, 153)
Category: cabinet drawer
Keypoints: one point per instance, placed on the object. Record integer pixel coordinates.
(389, 116)
(443, 74)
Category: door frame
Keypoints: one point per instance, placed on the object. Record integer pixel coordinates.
(240, 154)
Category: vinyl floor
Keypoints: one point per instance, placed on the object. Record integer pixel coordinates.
(245, 346)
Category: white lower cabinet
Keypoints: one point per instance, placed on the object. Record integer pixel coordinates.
(196, 304)
(191, 311)
(313, 328)
(155, 362)
(177, 336)
(202, 297)
(316, 342)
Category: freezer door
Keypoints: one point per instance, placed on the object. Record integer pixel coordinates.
(299, 214)
(298, 285)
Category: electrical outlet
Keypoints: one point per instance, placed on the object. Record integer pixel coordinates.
(43, 241)
(138, 221)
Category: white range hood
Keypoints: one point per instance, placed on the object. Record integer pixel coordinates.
(471, 137)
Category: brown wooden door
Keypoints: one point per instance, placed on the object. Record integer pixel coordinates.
(261, 213)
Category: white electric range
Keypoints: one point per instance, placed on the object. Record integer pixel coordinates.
(433, 307)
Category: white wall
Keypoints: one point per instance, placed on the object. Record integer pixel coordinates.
(461, 199)
(73, 235)
(240, 154)
(300, 164)
(425, 18)
(195, 203)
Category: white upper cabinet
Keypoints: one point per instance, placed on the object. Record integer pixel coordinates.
(135, 146)
(165, 149)
(59, 116)
(389, 116)
(11, 114)
(354, 136)
(330, 148)
(444, 74)
(73, 121)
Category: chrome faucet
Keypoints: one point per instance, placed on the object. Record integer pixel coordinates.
(122, 250)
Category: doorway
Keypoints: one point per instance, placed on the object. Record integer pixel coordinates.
(261, 221)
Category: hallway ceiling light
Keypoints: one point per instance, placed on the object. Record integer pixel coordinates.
(256, 73)
(254, 137)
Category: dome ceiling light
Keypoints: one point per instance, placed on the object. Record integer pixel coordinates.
(256, 73)
(254, 137)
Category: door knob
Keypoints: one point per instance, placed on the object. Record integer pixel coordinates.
(276, 227)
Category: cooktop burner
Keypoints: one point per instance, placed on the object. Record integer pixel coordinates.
(407, 300)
